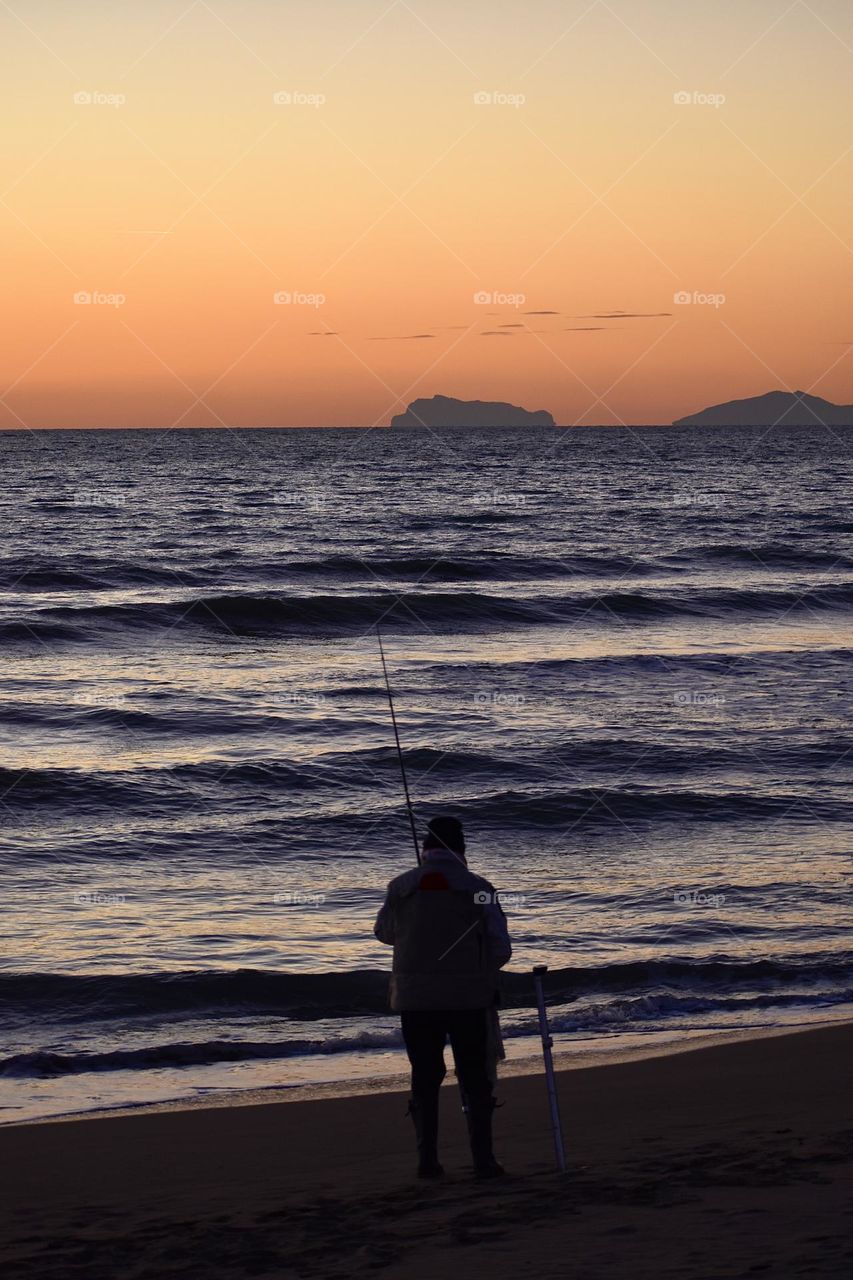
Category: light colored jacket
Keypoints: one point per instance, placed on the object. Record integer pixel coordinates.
(449, 936)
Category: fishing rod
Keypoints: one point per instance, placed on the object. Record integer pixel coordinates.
(399, 750)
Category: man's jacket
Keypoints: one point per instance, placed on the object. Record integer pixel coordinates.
(449, 936)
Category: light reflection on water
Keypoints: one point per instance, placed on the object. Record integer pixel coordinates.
(165, 777)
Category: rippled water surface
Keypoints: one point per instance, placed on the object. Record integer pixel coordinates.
(622, 657)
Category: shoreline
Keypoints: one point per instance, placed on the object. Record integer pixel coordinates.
(566, 1059)
(728, 1160)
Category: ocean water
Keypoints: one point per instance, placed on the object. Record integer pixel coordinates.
(622, 657)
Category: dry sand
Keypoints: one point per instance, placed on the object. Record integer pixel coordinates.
(728, 1161)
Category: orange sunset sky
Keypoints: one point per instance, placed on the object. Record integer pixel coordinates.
(382, 164)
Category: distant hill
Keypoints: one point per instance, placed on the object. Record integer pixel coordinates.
(444, 411)
(776, 409)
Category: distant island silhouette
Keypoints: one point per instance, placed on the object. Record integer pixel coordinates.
(444, 411)
(776, 409)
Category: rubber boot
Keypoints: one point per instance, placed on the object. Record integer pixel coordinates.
(479, 1117)
(423, 1108)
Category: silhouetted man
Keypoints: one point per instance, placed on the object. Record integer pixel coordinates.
(450, 939)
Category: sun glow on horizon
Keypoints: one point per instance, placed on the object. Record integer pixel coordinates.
(311, 214)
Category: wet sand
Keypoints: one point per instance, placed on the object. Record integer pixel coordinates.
(729, 1161)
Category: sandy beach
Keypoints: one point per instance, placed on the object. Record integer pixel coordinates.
(735, 1160)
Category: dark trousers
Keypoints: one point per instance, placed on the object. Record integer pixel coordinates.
(425, 1033)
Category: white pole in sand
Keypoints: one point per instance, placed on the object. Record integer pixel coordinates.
(547, 1044)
